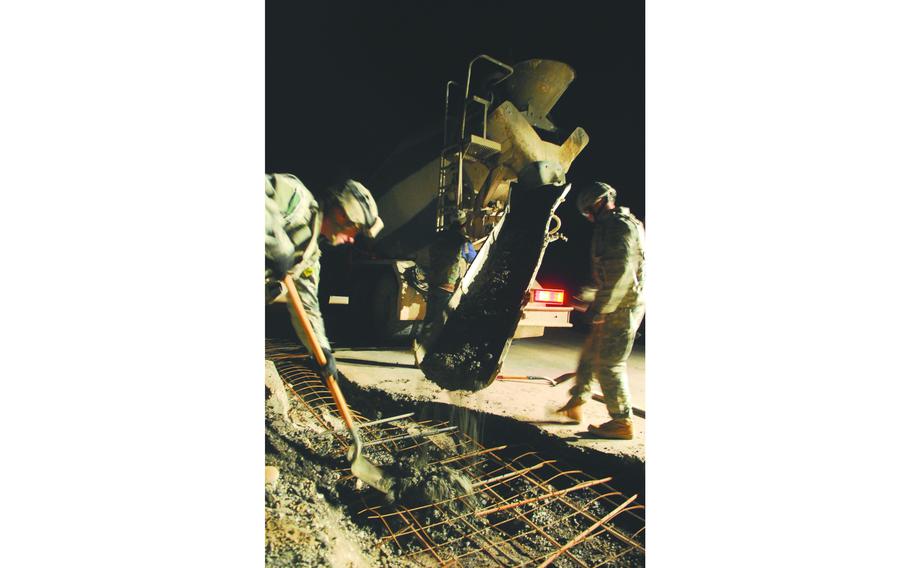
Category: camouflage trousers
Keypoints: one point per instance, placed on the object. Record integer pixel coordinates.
(306, 279)
(437, 300)
(604, 356)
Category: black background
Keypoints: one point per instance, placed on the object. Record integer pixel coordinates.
(346, 82)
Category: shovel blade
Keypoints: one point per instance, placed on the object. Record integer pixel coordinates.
(372, 475)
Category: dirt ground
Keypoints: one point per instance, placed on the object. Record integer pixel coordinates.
(305, 523)
(311, 504)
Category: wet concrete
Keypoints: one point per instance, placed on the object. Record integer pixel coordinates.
(491, 429)
(626, 471)
(467, 352)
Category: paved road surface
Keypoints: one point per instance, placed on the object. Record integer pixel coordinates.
(557, 352)
(549, 356)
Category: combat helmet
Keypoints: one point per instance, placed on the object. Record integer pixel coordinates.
(591, 194)
(359, 206)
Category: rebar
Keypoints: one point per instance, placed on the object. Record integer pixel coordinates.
(423, 434)
(541, 497)
(587, 531)
(523, 509)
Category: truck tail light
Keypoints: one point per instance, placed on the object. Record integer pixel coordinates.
(550, 296)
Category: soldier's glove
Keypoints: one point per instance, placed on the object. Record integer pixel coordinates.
(280, 265)
(330, 368)
(582, 301)
(273, 289)
(578, 305)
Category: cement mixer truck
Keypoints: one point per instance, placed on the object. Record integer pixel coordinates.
(495, 126)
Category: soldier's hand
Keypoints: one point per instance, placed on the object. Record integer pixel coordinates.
(586, 295)
(330, 368)
(578, 304)
(273, 289)
(280, 265)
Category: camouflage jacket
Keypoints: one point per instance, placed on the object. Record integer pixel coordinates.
(445, 252)
(292, 219)
(617, 262)
(292, 222)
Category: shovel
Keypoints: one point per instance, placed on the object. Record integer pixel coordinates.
(552, 382)
(536, 378)
(361, 467)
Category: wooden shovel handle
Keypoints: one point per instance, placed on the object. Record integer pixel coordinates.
(316, 350)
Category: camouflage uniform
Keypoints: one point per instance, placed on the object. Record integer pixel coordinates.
(444, 273)
(617, 304)
(445, 254)
(292, 224)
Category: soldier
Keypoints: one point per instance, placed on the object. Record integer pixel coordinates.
(294, 223)
(449, 249)
(616, 302)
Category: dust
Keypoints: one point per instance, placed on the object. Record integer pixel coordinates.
(457, 412)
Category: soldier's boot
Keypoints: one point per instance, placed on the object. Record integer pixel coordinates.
(618, 429)
(573, 410)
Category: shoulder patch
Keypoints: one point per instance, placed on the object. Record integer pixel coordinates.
(292, 204)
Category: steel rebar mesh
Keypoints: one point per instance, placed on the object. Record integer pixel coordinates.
(524, 509)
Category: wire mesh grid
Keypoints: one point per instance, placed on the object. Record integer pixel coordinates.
(523, 510)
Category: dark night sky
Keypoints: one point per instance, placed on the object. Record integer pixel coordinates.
(346, 82)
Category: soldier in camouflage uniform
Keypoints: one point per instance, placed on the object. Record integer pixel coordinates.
(616, 302)
(294, 223)
(446, 253)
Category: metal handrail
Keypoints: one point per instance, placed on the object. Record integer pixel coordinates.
(467, 87)
(443, 181)
(464, 114)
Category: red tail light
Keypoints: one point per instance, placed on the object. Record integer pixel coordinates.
(550, 296)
